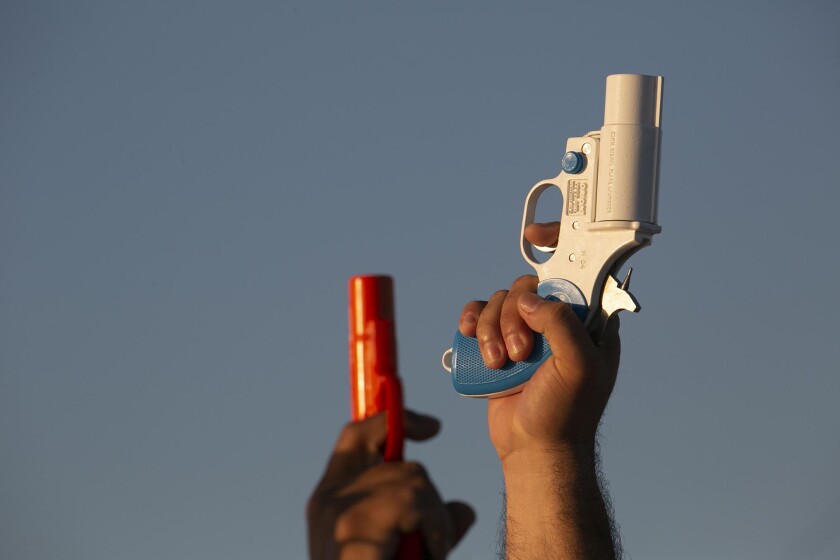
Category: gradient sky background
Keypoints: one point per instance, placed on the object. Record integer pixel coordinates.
(186, 186)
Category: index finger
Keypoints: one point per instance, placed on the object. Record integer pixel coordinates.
(543, 235)
(359, 445)
(519, 339)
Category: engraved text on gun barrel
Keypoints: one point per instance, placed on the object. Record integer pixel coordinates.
(597, 233)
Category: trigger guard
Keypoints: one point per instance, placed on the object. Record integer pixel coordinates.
(528, 217)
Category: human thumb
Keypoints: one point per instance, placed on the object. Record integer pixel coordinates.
(556, 321)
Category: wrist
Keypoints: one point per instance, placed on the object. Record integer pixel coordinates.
(549, 470)
(554, 503)
(562, 455)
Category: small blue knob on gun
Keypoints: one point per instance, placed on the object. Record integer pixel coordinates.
(572, 162)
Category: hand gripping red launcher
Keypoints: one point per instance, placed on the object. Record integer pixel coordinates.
(374, 383)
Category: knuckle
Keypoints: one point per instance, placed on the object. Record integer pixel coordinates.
(563, 312)
(349, 434)
(509, 329)
(353, 435)
(487, 329)
(510, 321)
(402, 492)
(471, 312)
(510, 308)
(408, 496)
(415, 469)
(350, 523)
(482, 335)
(486, 335)
(500, 294)
(559, 314)
(526, 279)
(361, 435)
(510, 325)
(470, 305)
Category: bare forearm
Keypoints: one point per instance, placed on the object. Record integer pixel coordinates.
(555, 507)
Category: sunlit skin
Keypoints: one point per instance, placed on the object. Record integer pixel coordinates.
(545, 435)
(563, 402)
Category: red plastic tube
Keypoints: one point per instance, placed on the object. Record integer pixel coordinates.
(374, 382)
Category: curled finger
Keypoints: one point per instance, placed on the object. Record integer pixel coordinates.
(489, 333)
(468, 321)
(518, 337)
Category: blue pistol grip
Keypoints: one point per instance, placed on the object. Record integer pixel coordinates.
(472, 378)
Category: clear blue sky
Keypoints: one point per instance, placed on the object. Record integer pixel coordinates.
(186, 186)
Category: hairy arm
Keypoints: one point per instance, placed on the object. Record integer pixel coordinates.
(545, 436)
(555, 507)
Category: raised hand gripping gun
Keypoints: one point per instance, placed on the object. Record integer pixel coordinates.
(374, 383)
(609, 182)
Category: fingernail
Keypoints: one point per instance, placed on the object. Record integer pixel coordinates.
(529, 302)
(469, 318)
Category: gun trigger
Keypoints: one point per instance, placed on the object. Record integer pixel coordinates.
(617, 297)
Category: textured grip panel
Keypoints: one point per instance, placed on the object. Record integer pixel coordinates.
(472, 378)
